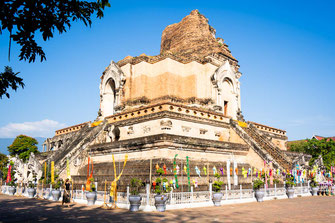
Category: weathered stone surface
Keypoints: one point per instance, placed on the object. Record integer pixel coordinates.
(141, 169)
(193, 37)
(167, 140)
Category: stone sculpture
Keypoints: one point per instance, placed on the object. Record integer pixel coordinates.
(25, 172)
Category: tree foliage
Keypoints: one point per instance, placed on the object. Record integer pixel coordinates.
(315, 148)
(298, 146)
(26, 19)
(3, 165)
(9, 79)
(23, 146)
(325, 148)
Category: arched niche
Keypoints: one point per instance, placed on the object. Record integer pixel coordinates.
(228, 98)
(226, 89)
(112, 82)
(108, 102)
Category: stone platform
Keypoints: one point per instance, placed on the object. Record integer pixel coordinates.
(141, 169)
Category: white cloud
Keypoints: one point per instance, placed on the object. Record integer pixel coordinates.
(44, 128)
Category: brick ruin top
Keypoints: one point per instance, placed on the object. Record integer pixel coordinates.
(192, 39)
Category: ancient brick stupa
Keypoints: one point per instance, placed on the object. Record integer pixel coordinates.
(185, 101)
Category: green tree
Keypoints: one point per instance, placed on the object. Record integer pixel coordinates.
(3, 165)
(23, 146)
(25, 19)
(325, 148)
(315, 148)
(298, 146)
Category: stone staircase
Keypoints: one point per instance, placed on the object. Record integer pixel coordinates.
(273, 150)
(76, 146)
(262, 146)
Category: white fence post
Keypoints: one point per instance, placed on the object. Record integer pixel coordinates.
(127, 194)
(191, 194)
(226, 192)
(240, 191)
(147, 193)
(82, 192)
(210, 190)
(171, 198)
(265, 193)
(275, 190)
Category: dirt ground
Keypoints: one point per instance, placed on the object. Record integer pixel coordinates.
(302, 209)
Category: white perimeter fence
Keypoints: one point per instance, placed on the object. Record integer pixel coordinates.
(176, 199)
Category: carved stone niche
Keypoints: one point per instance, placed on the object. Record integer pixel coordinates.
(130, 130)
(166, 125)
(77, 161)
(186, 128)
(146, 129)
(203, 131)
(217, 108)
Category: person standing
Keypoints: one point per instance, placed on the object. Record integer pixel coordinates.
(66, 194)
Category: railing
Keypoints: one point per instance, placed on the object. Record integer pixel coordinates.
(281, 158)
(176, 198)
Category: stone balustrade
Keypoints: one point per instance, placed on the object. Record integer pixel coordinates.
(69, 129)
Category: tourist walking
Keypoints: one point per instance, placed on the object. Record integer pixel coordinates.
(66, 194)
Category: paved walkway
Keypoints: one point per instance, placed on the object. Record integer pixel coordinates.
(302, 209)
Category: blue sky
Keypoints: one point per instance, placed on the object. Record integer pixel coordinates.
(285, 50)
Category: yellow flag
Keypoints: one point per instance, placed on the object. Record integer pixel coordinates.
(45, 171)
(68, 169)
(52, 171)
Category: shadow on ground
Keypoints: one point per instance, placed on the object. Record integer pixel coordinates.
(310, 209)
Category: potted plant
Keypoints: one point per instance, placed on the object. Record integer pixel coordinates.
(289, 183)
(314, 186)
(31, 189)
(91, 195)
(12, 187)
(161, 186)
(217, 196)
(135, 198)
(56, 190)
(257, 185)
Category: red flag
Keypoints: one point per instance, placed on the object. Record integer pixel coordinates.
(92, 168)
(9, 177)
(88, 167)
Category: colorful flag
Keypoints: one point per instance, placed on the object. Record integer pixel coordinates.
(45, 171)
(52, 171)
(9, 176)
(68, 175)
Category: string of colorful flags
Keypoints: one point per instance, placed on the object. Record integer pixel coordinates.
(299, 174)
